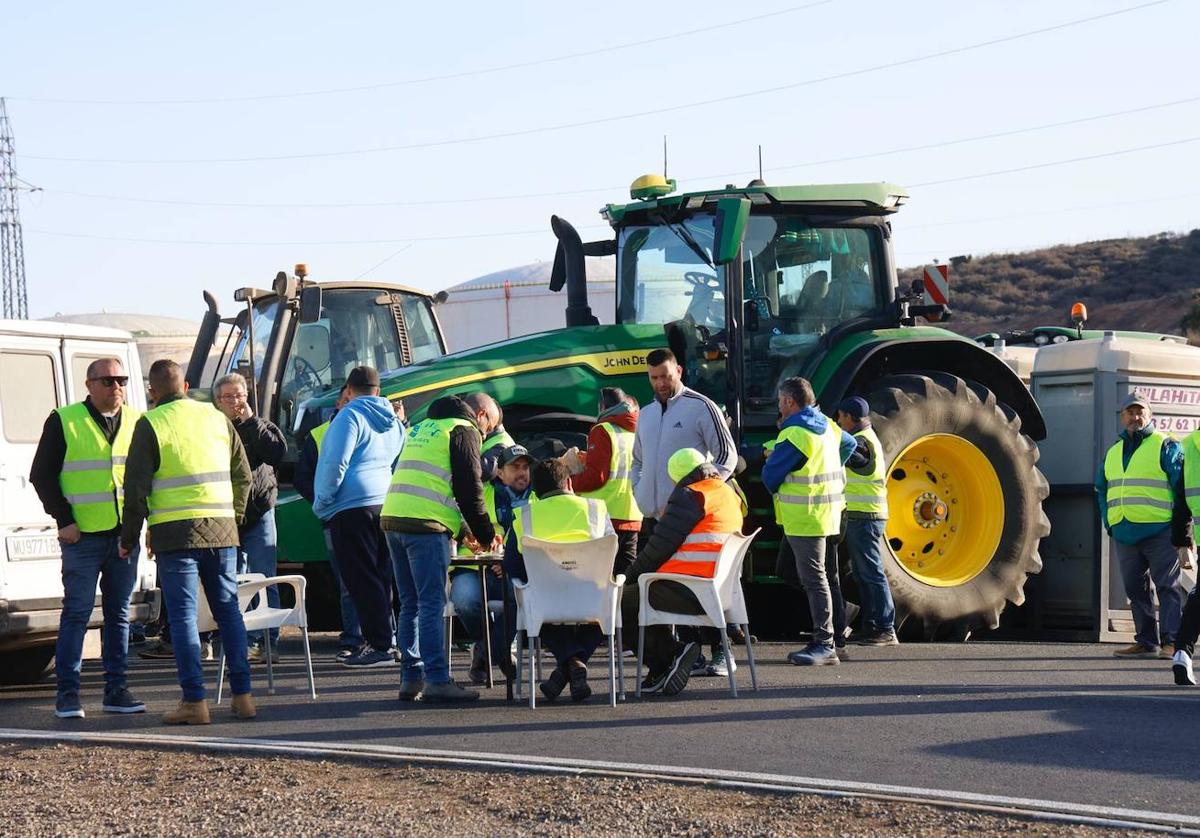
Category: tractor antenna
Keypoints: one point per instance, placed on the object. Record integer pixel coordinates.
(760, 177)
(664, 156)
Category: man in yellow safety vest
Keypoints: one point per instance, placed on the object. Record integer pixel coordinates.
(606, 471)
(804, 472)
(78, 472)
(1139, 491)
(866, 519)
(187, 476)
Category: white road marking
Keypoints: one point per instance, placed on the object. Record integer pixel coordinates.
(1048, 809)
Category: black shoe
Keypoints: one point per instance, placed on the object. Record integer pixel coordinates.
(580, 691)
(553, 686)
(655, 681)
(681, 668)
(701, 664)
(411, 690)
(447, 693)
(508, 666)
(875, 638)
(122, 701)
(68, 707)
(368, 657)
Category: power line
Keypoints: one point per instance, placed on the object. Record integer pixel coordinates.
(543, 231)
(905, 228)
(620, 117)
(483, 71)
(1035, 166)
(566, 192)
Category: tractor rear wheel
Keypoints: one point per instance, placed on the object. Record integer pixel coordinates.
(964, 497)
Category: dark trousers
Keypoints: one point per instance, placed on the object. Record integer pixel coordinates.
(785, 569)
(709, 636)
(660, 642)
(365, 563)
(566, 642)
(1189, 626)
(627, 548)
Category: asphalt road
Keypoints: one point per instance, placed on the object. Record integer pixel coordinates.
(1055, 722)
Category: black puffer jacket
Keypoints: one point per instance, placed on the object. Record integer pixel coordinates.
(685, 509)
(265, 447)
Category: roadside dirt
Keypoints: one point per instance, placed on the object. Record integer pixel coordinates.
(66, 790)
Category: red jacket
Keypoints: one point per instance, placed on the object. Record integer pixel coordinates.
(599, 457)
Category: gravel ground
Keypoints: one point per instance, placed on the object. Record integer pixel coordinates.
(85, 791)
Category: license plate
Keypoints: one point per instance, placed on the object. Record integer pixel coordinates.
(28, 548)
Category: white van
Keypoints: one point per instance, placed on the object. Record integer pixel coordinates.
(43, 366)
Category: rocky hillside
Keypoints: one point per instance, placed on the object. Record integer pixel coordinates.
(1146, 283)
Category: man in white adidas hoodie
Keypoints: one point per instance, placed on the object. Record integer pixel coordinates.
(678, 418)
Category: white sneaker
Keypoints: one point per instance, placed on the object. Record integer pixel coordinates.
(1184, 676)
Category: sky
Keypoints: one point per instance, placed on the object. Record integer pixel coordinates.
(183, 147)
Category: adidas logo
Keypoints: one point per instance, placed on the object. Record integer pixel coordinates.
(677, 425)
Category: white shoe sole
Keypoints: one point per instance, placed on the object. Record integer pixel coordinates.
(349, 665)
(69, 714)
(112, 708)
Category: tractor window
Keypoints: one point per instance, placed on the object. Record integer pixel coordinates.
(422, 330)
(667, 276)
(804, 281)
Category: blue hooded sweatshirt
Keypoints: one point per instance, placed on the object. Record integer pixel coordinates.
(357, 454)
(786, 458)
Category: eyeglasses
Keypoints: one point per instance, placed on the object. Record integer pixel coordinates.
(112, 380)
(232, 397)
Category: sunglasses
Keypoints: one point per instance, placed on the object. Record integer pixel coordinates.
(112, 380)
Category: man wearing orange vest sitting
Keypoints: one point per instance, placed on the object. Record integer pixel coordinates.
(701, 513)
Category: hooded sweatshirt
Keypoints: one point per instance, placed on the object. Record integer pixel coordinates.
(786, 458)
(599, 455)
(357, 454)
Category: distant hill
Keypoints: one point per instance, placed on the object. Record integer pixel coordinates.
(1145, 284)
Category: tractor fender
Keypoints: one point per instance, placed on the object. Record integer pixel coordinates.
(887, 356)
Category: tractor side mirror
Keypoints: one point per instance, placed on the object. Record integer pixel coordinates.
(310, 304)
(732, 216)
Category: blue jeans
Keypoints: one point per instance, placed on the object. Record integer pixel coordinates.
(351, 635)
(421, 562)
(257, 555)
(94, 558)
(180, 573)
(464, 593)
(864, 537)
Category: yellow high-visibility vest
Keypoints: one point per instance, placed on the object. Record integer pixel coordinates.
(868, 492)
(1141, 492)
(193, 478)
(617, 492)
(93, 470)
(811, 498)
(421, 482)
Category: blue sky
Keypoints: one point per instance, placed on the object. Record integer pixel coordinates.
(61, 61)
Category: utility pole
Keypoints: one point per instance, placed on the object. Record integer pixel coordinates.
(12, 249)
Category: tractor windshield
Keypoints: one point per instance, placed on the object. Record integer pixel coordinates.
(800, 280)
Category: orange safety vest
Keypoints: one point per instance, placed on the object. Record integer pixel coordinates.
(697, 556)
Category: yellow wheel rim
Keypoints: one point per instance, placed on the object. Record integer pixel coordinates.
(945, 510)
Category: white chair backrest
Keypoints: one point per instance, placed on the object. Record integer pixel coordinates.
(205, 621)
(729, 565)
(568, 582)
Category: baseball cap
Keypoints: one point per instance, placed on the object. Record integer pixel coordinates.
(1134, 399)
(513, 453)
(361, 378)
(855, 407)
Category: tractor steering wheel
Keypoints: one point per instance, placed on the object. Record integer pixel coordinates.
(307, 376)
(702, 280)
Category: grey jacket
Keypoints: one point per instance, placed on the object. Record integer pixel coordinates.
(689, 420)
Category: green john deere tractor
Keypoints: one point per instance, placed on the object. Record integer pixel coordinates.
(749, 286)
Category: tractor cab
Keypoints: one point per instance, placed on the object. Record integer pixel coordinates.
(301, 339)
(750, 285)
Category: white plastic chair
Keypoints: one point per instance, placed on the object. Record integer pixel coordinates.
(721, 597)
(261, 617)
(570, 583)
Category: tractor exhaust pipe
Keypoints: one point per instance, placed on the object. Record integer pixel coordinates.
(204, 341)
(570, 270)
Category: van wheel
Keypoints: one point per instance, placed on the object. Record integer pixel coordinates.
(25, 666)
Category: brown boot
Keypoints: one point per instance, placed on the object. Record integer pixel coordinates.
(188, 713)
(243, 706)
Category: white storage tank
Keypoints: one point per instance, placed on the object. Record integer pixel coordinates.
(1078, 386)
(516, 302)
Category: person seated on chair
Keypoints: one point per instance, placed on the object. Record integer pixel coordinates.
(502, 496)
(701, 513)
(557, 514)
